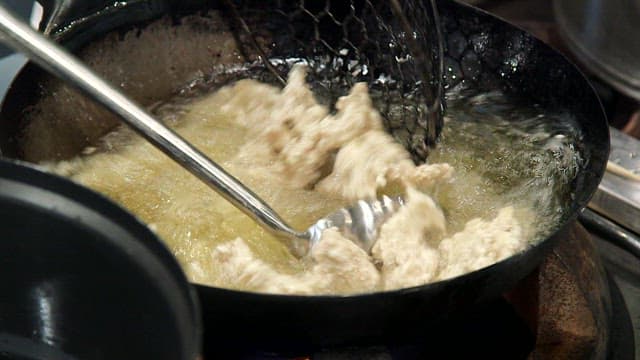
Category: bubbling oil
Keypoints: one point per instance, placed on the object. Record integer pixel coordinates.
(506, 153)
(503, 154)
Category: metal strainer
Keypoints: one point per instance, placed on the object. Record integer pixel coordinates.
(394, 46)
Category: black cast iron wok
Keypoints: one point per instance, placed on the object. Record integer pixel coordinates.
(151, 48)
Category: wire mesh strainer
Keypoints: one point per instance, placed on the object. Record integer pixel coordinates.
(392, 45)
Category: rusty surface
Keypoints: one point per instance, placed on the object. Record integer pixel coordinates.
(566, 301)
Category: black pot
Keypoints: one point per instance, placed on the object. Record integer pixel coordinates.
(480, 50)
(83, 279)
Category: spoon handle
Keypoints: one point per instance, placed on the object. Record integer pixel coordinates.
(22, 38)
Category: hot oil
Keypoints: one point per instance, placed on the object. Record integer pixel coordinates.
(507, 154)
(189, 216)
(502, 154)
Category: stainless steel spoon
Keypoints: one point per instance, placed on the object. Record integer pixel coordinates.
(359, 222)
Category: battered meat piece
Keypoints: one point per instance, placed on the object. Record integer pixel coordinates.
(407, 245)
(481, 243)
(374, 160)
(336, 266)
(297, 137)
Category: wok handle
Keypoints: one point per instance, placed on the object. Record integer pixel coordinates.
(56, 60)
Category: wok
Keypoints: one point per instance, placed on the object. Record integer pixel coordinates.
(152, 48)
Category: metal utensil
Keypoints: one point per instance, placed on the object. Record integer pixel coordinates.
(359, 222)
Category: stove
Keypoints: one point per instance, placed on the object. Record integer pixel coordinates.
(584, 299)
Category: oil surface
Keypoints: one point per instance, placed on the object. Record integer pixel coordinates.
(502, 154)
(505, 153)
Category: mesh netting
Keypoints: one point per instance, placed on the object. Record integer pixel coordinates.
(395, 50)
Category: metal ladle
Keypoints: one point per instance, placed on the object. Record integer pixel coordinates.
(359, 222)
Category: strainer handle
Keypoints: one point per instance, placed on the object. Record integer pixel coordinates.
(59, 62)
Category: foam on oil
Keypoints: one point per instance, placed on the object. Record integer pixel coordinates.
(502, 154)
